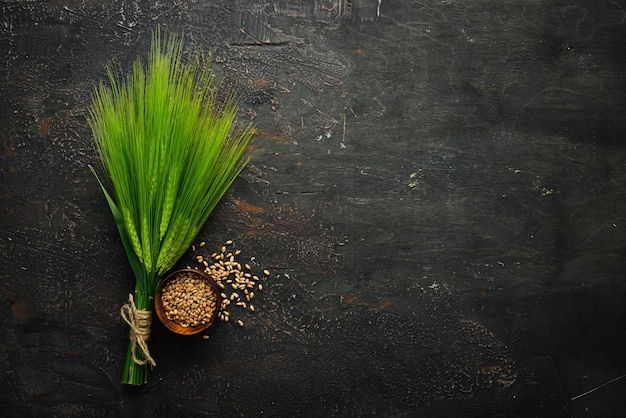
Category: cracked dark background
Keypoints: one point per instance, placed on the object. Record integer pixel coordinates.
(437, 189)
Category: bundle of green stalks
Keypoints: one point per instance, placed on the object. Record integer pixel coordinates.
(170, 148)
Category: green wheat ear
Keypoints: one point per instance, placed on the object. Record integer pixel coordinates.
(171, 149)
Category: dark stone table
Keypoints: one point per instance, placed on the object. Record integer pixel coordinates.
(436, 189)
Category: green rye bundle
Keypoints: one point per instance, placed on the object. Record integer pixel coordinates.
(170, 148)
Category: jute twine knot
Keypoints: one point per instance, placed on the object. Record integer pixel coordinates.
(139, 322)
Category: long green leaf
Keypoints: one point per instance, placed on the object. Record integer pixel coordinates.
(135, 264)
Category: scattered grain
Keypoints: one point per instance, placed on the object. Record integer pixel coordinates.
(226, 270)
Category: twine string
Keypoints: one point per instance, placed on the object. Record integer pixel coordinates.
(139, 322)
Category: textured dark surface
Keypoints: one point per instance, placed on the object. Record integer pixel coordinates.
(437, 192)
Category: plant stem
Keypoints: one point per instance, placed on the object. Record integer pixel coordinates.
(134, 373)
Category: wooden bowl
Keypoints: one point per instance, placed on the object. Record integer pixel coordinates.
(174, 325)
